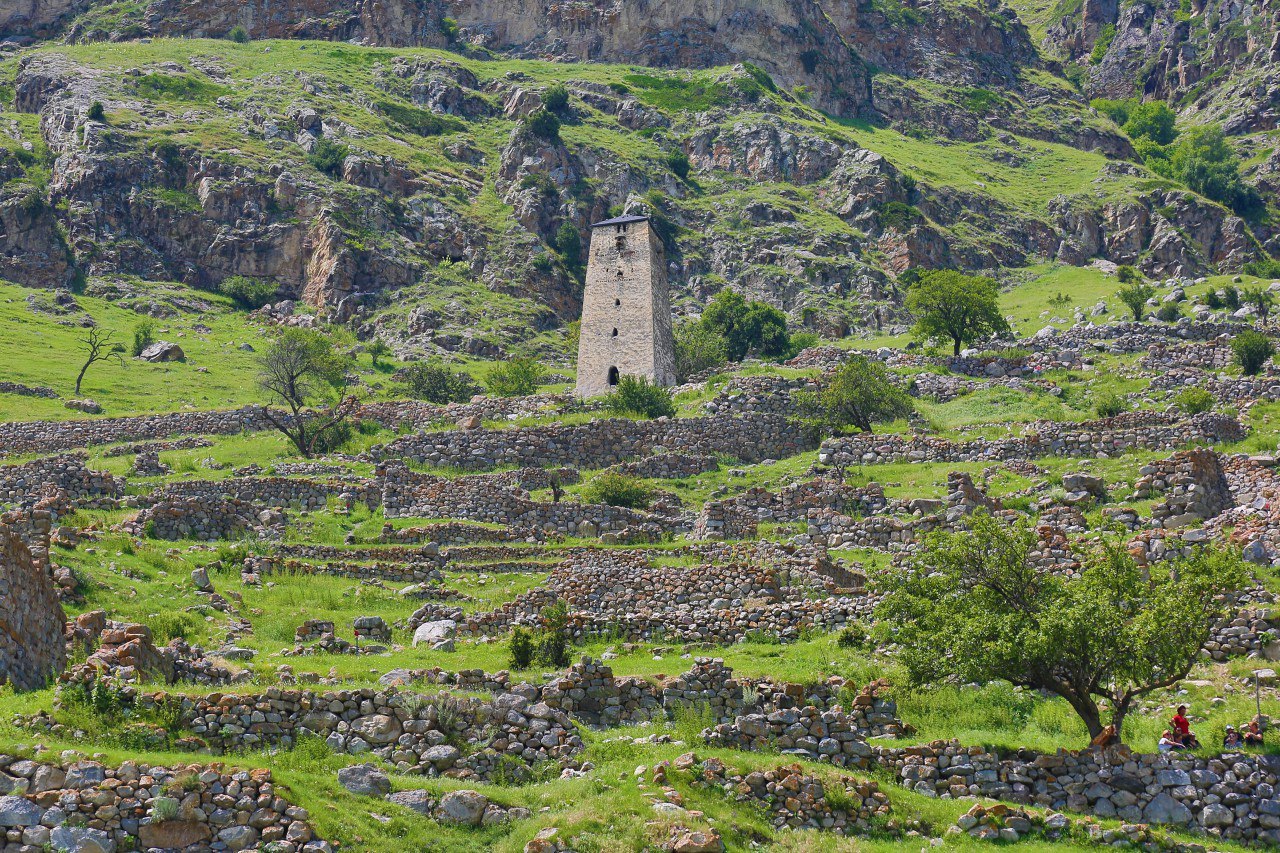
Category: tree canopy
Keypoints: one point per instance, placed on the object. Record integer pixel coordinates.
(950, 305)
(973, 607)
(859, 394)
(748, 327)
(302, 371)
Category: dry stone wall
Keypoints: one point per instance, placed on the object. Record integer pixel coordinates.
(87, 806)
(1232, 795)
(25, 484)
(602, 443)
(53, 436)
(1145, 430)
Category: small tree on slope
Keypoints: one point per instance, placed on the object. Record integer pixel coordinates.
(973, 607)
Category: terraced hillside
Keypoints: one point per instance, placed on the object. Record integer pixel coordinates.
(863, 581)
(348, 629)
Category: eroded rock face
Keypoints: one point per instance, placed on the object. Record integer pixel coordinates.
(794, 41)
(31, 618)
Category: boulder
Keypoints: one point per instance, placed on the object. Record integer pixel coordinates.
(463, 807)
(173, 834)
(434, 632)
(698, 841)
(419, 801)
(81, 839)
(163, 351)
(365, 779)
(377, 729)
(18, 811)
(1165, 809)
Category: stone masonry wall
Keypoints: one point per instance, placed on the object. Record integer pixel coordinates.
(31, 619)
(602, 443)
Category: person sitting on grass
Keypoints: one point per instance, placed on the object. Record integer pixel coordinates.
(1182, 729)
(1231, 739)
(1168, 742)
(1252, 733)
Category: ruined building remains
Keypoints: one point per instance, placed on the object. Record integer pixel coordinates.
(626, 313)
(32, 649)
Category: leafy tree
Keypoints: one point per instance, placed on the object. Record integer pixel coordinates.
(569, 245)
(698, 348)
(951, 305)
(239, 35)
(377, 349)
(436, 383)
(248, 293)
(974, 607)
(327, 156)
(302, 371)
(678, 163)
(1194, 401)
(96, 112)
(1267, 268)
(1231, 297)
(1135, 297)
(98, 347)
(859, 394)
(522, 648)
(635, 395)
(616, 489)
(518, 377)
(1126, 274)
(1153, 120)
(1252, 351)
(1204, 161)
(748, 327)
(1262, 300)
(143, 337)
(555, 97)
(543, 124)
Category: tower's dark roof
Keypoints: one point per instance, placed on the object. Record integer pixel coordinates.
(621, 220)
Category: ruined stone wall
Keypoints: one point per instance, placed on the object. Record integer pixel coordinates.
(88, 806)
(25, 484)
(602, 443)
(51, 436)
(31, 619)
(1146, 430)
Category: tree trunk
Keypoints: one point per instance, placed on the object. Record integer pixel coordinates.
(1087, 709)
(80, 378)
(956, 348)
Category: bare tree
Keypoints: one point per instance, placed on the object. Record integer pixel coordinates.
(302, 371)
(98, 347)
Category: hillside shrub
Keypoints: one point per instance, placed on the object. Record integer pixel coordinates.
(635, 395)
(1269, 268)
(327, 156)
(1252, 351)
(543, 124)
(1110, 404)
(436, 383)
(617, 490)
(1169, 312)
(698, 348)
(239, 35)
(518, 377)
(249, 293)
(143, 337)
(1194, 401)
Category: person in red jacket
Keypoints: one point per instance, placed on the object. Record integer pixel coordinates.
(1182, 728)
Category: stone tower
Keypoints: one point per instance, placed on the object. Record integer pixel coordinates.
(626, 313)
